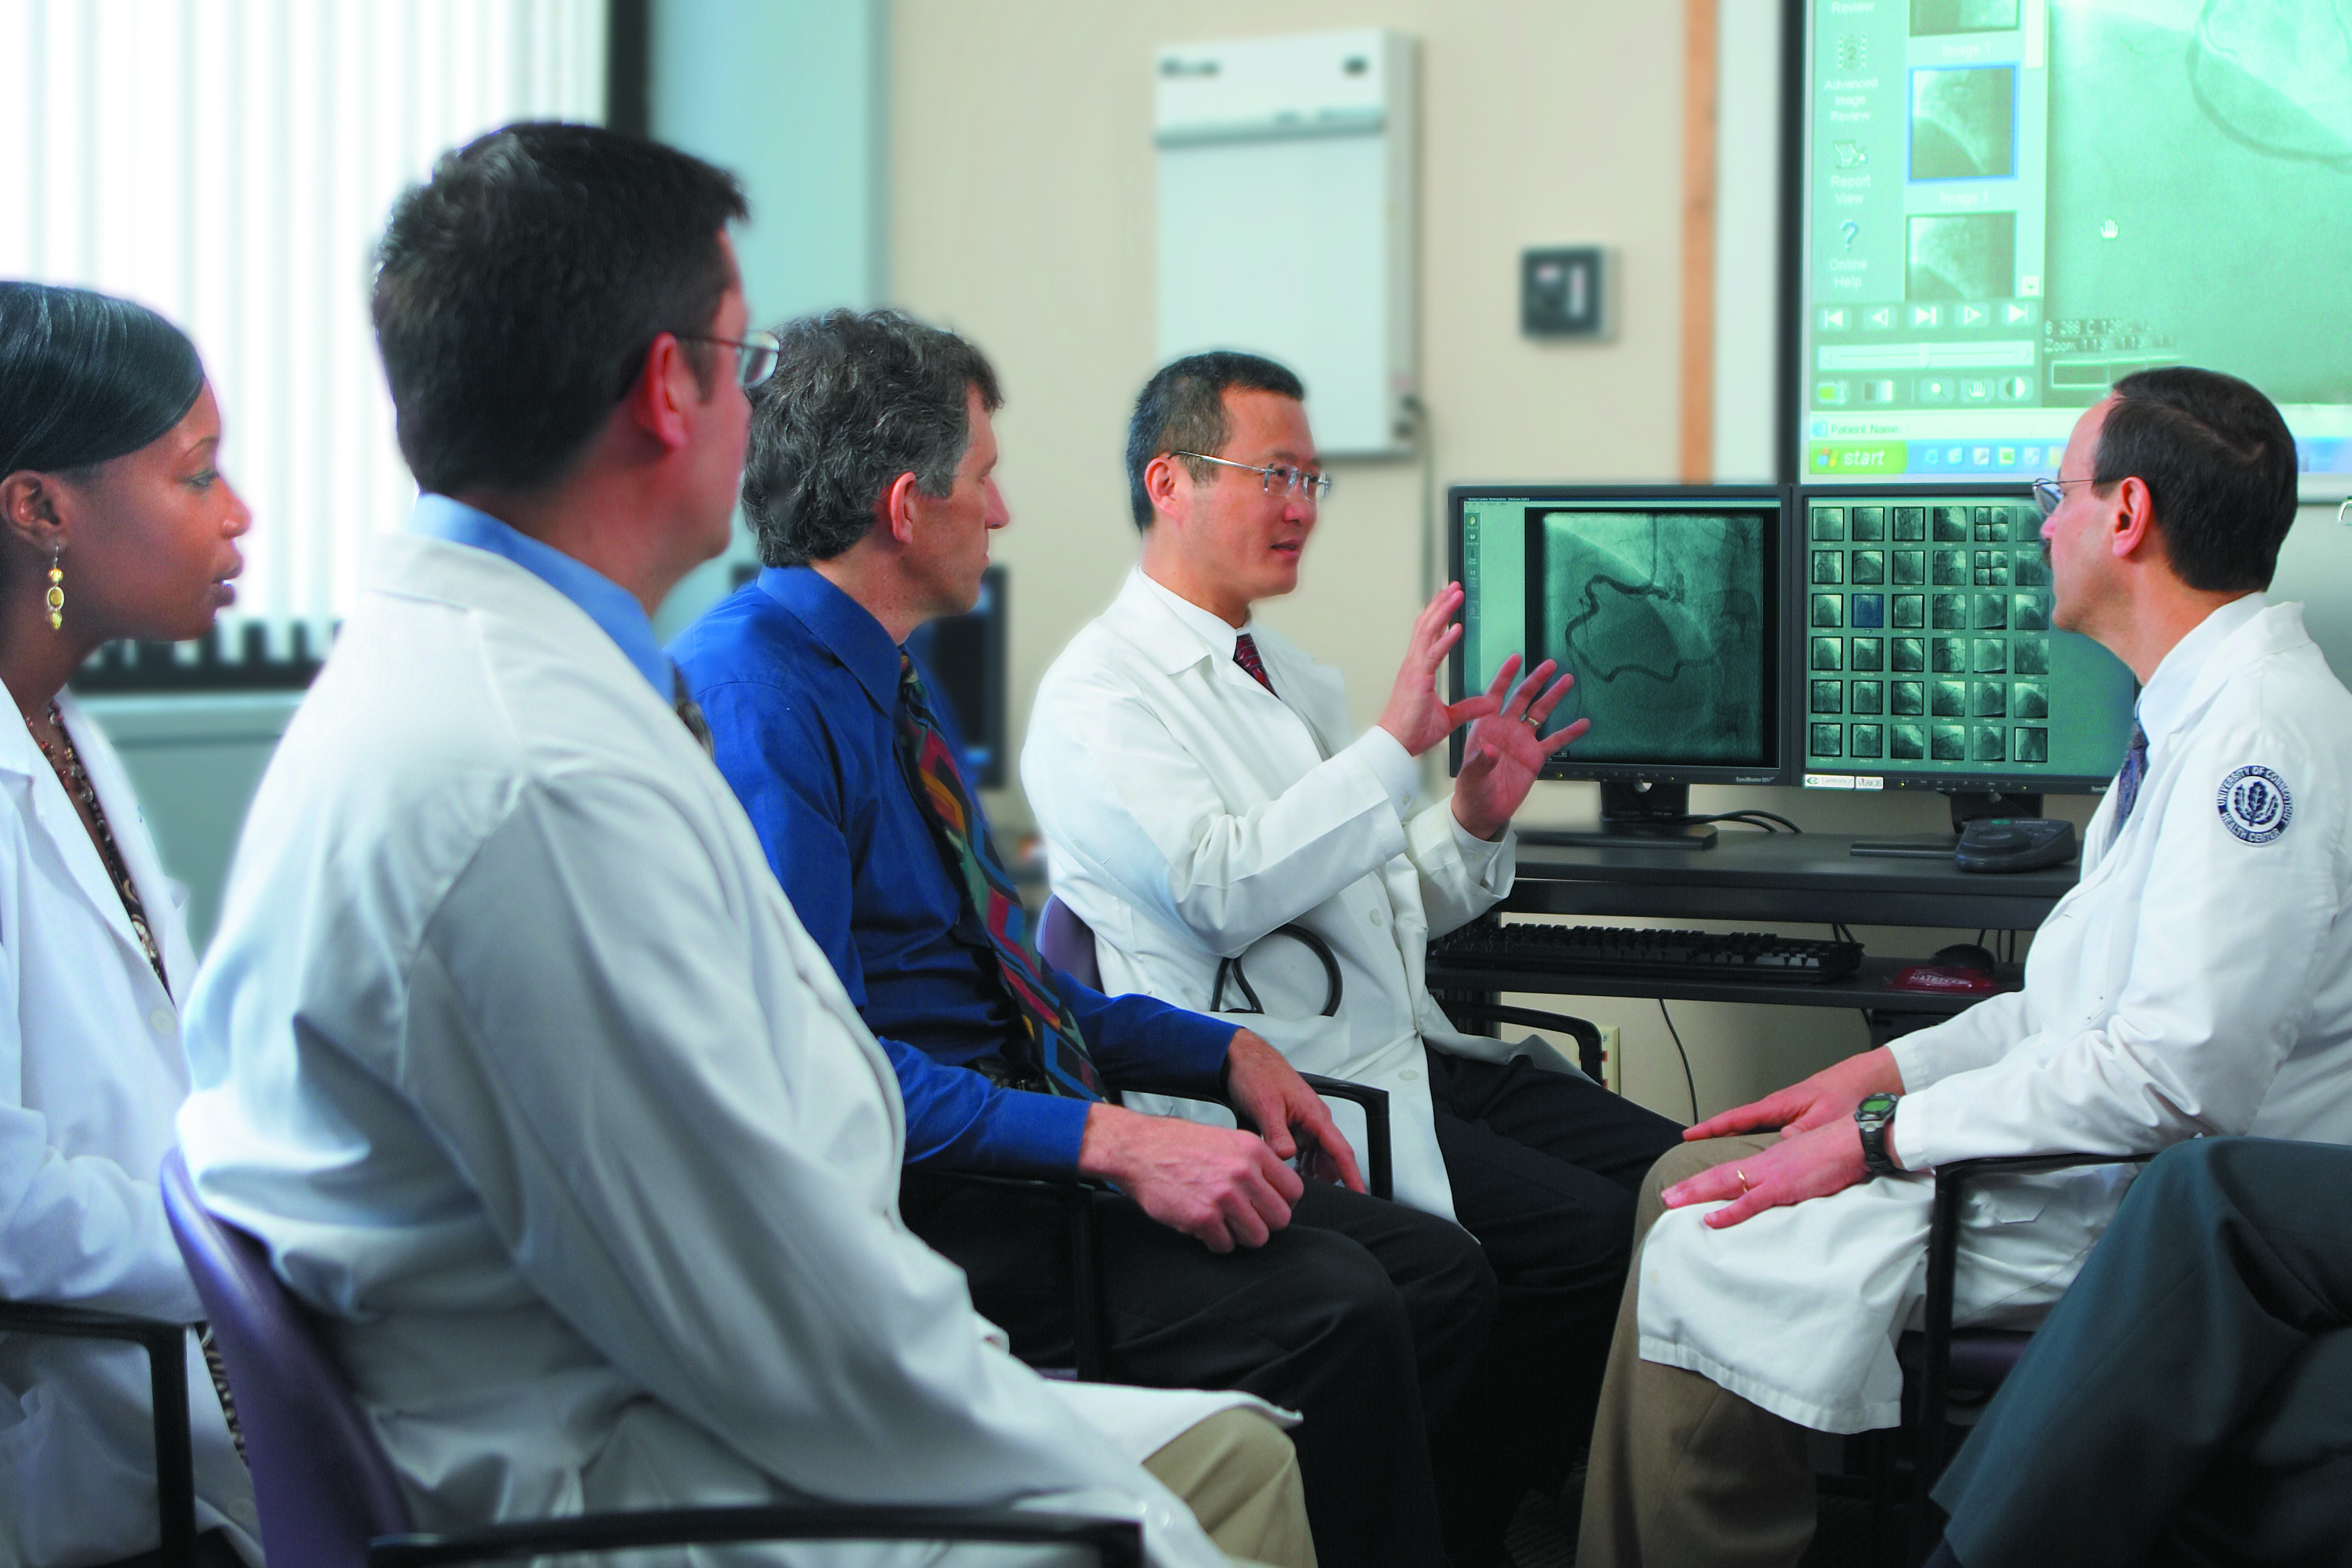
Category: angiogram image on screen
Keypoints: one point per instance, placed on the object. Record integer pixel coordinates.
(1662, 617)
(1963, 123)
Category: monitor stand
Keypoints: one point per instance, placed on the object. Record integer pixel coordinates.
(1634, 816)
(1968, 806)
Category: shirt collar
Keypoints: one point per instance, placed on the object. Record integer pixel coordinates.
(1210, 627)
(846, 628)
(2163, 699)
(605, 602)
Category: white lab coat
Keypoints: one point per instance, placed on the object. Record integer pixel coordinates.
(2193, 983)
(511, 1048)
(90, 1073)
(1187, 812)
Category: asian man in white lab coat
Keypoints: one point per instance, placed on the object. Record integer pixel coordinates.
(2196, 981)
(510, 1046)
(1198, 787)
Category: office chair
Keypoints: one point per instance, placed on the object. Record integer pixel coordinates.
(1067, 944)
(1939, 1358)
(166, 1345)
(329, 1497)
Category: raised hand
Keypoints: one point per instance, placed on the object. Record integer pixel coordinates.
(1415, 714)
(1502, 754)
(1829, 1095)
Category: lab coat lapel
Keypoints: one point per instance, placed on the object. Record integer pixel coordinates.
(1284, 737)
(56, 817)
(157, 895)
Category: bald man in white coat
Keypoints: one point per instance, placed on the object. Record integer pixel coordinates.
(510, 1046)
(2196, 981)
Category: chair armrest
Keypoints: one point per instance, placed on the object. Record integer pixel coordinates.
(1586, 1033)
(1116, 1543)
(1379, 1180)
(166, 1345)
(1943, 1258)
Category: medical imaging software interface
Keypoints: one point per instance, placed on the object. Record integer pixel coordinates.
(1666, 614)
(1928, 648)
(2010, 204)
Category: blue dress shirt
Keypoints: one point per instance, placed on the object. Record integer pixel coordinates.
(800, 685)
(609, 605)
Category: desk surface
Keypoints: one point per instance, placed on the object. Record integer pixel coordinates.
(1866, 987)
(1781, 876)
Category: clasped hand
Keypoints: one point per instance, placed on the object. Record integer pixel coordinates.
(1820, 1150)
(1222, 1187)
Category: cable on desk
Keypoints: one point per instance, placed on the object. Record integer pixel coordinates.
(1688, 1082)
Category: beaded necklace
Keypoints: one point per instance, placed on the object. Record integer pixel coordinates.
(66, 764)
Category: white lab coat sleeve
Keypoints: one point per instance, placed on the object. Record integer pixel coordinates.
(584, 1037)
(79, 1231)
(1119, 789)
(1462, 876)
(2220, 980)
(1977, 1038)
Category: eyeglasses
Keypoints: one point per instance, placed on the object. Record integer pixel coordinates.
(755, 355)
(1276, 479)
(2050, 494)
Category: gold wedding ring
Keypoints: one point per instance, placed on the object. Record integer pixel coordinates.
(1743, 1179)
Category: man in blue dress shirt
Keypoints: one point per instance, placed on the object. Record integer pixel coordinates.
(871, 484)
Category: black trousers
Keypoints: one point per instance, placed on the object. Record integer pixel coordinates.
(1368, 1318)
(2190, 1399)
(1544, 1168)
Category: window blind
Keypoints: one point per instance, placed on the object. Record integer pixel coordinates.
(230, 164)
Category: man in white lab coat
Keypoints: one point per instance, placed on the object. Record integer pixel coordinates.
(510, 1046)
(1199, 788)
(2196, 981)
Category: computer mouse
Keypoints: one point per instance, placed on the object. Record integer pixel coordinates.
(1964, 955)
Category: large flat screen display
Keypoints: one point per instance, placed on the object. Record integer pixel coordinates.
(2007, 205)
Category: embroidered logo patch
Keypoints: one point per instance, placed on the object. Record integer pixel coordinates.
(2255, 805)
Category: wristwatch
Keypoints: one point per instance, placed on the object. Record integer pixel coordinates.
(1875, 1115)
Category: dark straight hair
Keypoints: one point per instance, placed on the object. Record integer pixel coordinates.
(517, 291)
(1183, 410)
(86, 378)
(2218, 466)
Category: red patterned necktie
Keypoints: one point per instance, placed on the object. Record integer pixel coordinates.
(1245, 654)
(1059, 1051)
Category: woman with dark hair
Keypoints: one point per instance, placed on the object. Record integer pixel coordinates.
(114, 522)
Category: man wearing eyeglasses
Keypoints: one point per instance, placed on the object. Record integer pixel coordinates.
(1205, 800)
(871, 483)
(2196, 980)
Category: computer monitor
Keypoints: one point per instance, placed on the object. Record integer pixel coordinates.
(1666, 604)
(2004, 206)
(1929, 661)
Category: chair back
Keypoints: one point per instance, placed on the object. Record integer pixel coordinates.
(323, 1483)
(1065, 941)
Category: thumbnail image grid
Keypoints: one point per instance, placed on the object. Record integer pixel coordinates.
(1926, 637)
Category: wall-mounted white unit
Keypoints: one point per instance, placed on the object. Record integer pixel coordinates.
(1287, 220)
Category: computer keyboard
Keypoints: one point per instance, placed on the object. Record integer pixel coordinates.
(1634, 954)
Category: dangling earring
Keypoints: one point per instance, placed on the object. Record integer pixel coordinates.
(57, 589)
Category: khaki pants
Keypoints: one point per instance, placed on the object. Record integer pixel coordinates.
(1238, 1474)
(1685, 1474)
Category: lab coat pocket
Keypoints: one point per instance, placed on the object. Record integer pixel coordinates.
(2011, 1200)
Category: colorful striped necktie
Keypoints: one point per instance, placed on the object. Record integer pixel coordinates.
(1245, 654)
(1057, 1050)
(2127, 782)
